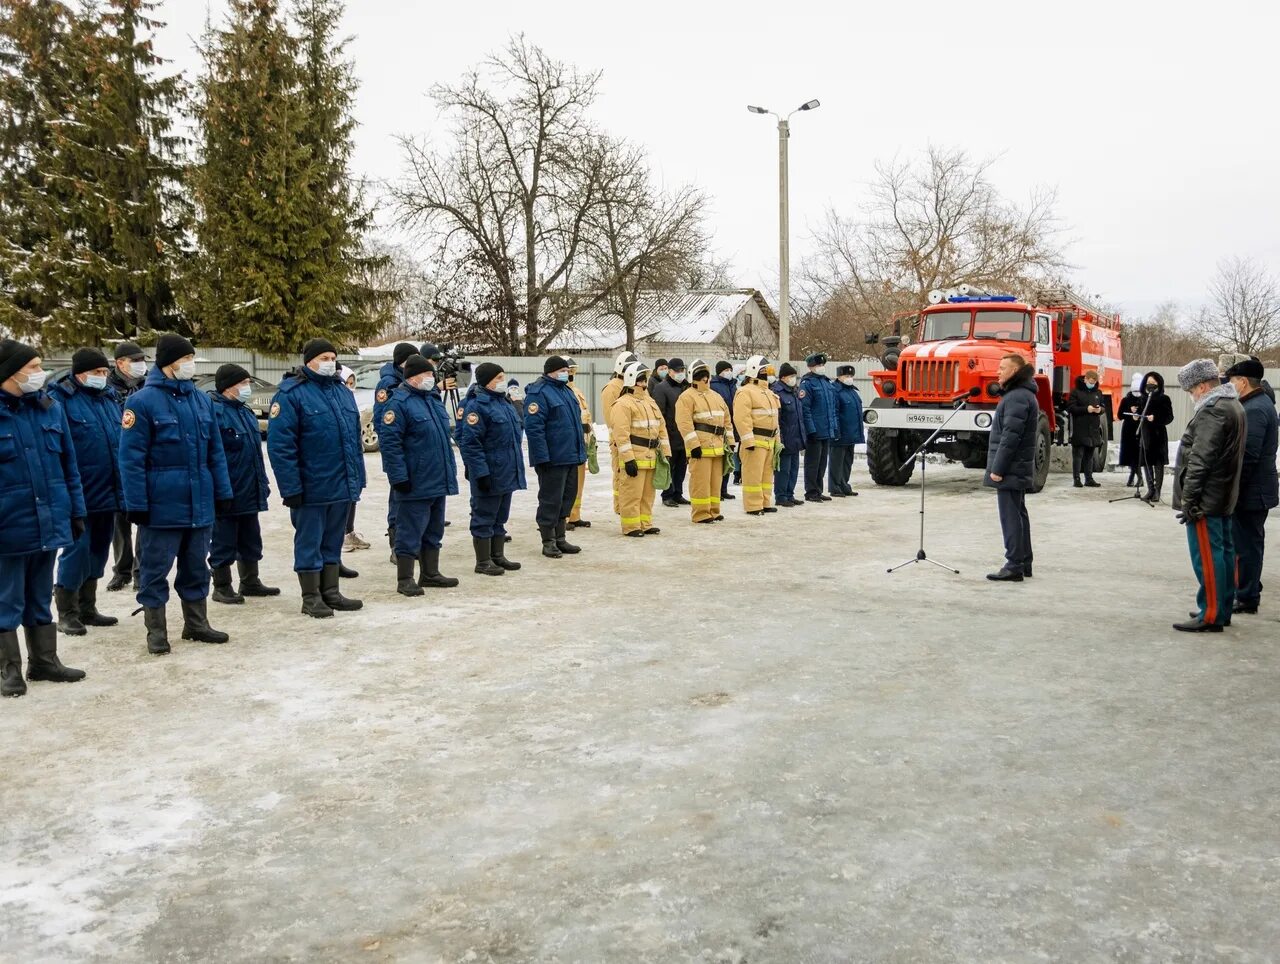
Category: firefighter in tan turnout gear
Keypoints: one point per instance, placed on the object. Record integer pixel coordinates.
(706, 425)
(608, 395)
(755, 413)
(638, 432)
(588, 429)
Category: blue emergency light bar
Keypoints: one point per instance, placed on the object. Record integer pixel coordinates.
(964, 299)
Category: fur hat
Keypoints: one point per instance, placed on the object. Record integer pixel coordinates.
(1196, 373)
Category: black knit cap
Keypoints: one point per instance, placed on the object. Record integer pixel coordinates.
(87, 359)
(786, 369)
(843, 370)
(486, 372)
(723, 366)
(316, 346)
(14, 356)
(415, 365)
(1249, 368)
(228, 375)
(403, 351)
(169, 348)
(659, 363)
(554, 364)
(127, 349)
(817, 358)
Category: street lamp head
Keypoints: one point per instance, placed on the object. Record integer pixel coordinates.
(756, 110)
(810, 104)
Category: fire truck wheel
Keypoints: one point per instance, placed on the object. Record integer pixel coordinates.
(1044, 443)
(1100, 455)
(885, 455)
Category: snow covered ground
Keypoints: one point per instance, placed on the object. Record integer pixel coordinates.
(741, 742)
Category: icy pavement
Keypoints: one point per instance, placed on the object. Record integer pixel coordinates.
(733, 743)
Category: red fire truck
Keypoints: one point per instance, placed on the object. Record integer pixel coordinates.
(954, 348)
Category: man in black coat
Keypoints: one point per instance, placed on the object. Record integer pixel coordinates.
(1011, 463)
(1086, 406)
(1259, 490)
(665, 393)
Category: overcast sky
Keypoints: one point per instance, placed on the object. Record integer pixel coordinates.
(1156, 122)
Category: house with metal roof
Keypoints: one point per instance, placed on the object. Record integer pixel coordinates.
(721, 323)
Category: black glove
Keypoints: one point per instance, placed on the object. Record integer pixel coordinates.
(293, 501)
(1188, 515)
(587, 429)
(403, 488)
(223, 506)
(631, 468)
(695, 452)
(485, 483)
(138, 518)
(77, 528)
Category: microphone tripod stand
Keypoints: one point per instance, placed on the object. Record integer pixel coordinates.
(1144, 463)
(919, 455)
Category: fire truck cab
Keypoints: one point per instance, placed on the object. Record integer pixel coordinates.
(950, 361)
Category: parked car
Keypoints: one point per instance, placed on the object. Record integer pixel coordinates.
(259, 402)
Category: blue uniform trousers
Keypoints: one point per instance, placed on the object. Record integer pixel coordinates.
(236, 538)
(557, 491)
(26, 589)
(419, 525)
(841, 469)
(785, 478)
(392, 501)
(87, 558)
(489, 515)
(816, 454)
(1213, 557)
(158, 549)
(1249, 532)
(318, 531)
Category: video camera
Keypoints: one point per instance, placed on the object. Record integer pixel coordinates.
(451, 362)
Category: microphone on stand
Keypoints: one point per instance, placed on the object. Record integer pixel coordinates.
(971, 393)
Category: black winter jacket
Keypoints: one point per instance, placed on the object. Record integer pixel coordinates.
(1155, 433)
(1011, 446)
(1207, 478)
(1130, 410)
(1086, 426)
(1258, 484)
(665, 393)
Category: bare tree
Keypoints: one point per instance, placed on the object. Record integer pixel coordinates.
(931, 224)
(514, 193)
(1162, 338)
(1244, 311)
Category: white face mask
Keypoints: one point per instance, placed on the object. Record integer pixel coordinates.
(820, 370)
(500, 386)
(245, 392)
(327, 369)
(185, 372)
(98, 382)
(428, 384)
(789, 381)
(34, 382)
(769, 380)
(846, 380)
(678, 377)
(516, 393)
(137, 369)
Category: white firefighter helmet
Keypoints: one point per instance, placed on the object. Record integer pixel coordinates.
(757, 366)
(632, 372)
(698, 364)
(622, 361)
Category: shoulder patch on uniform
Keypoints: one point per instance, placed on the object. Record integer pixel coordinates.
(473, 419)
(389, 417)
(275, 409)
(533, 408)
(382, 395)
(802, 393)
(128, 419)
(459, 414)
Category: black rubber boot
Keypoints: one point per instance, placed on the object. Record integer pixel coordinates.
(195, 623)
(485, 564)
(312, 602)
(223, 590)
(89, 614)
(250, 584)
(345, 572)
(11, 681)
(564, 546)
(332, 595)
(406, 585)
(431, 577)
(157, 631)
(549, 547)
(42, 656)
(118, 582)
(391, 541)
(68, 603)
(497, 552)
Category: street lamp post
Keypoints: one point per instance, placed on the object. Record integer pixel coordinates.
(784, 226)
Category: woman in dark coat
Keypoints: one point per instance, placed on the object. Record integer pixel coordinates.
(1130, 412)
(1155, 433)
(1086, 406)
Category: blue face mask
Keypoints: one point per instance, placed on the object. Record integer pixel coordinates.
(96, 382)
(562, 376)
(246, 393)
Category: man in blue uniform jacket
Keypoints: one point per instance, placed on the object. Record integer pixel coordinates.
(851, 433)
(93, 415)
(175, 477)
(489, 440)
(390, 377)
(790, 435)
(418, 459)
(313, 439)
(821, 425)
(42, 506)
(553, 424)
(237, 534)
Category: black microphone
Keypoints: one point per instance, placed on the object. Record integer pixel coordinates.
(971, 393)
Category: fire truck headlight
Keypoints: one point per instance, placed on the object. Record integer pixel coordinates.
(870, 416)
(889, 388)
(982, 420)
(993, 389)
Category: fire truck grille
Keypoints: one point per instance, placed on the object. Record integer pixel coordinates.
(931, 379)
